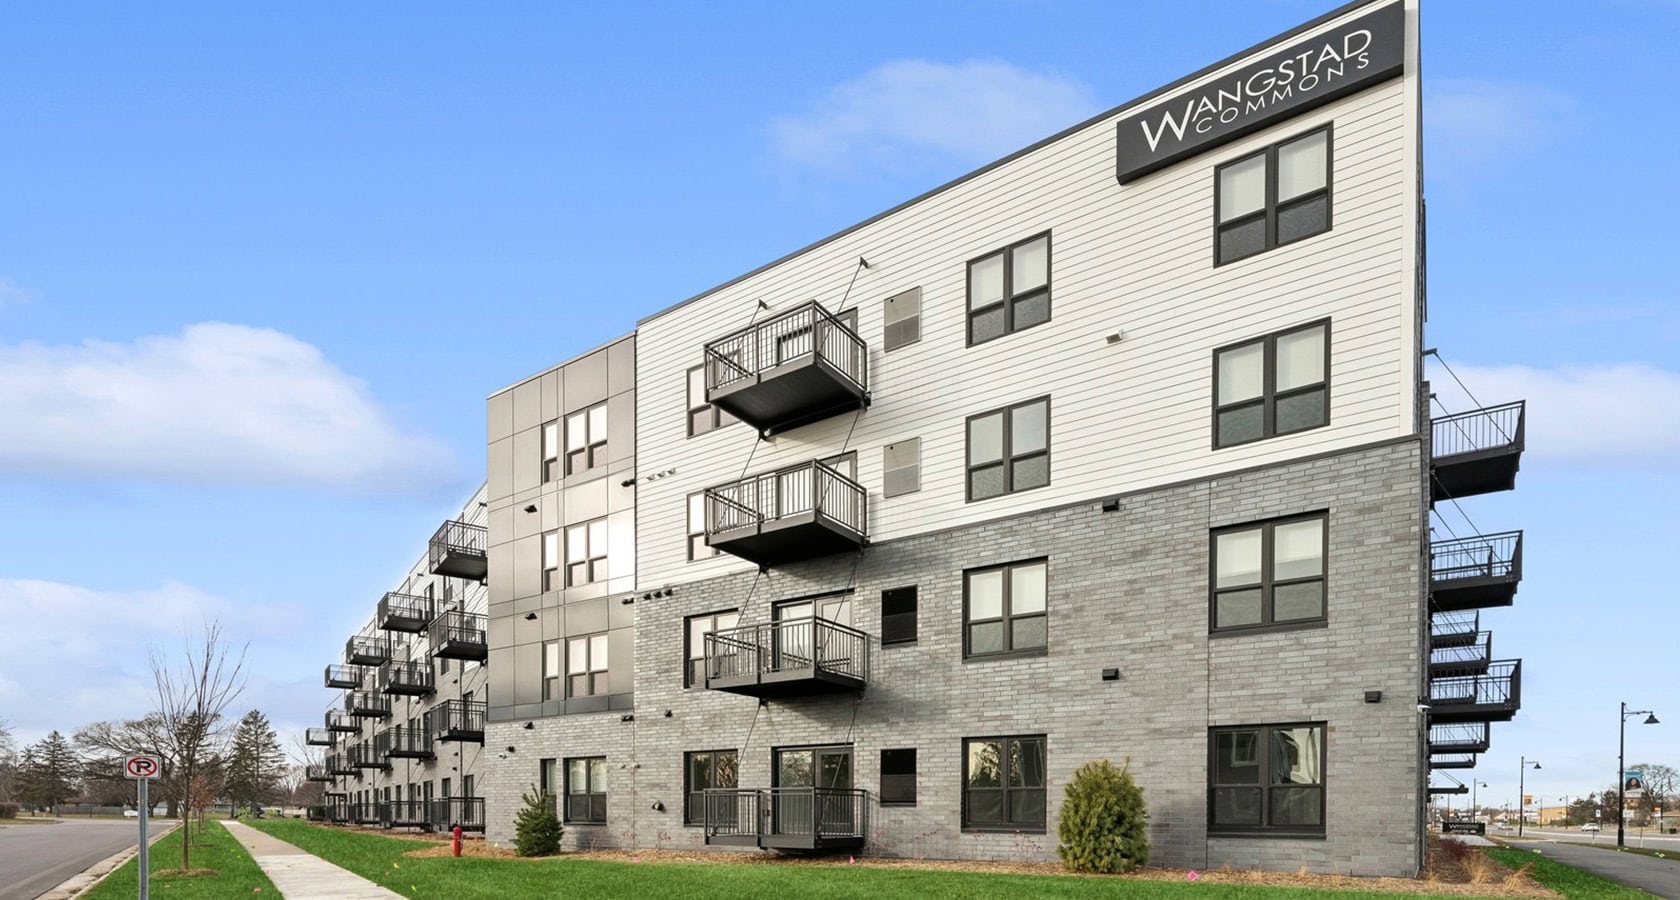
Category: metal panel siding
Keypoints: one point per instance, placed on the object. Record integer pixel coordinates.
(1135, 259)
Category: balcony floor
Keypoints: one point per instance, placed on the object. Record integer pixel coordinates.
(808, 535)
(457, 564)
(1450, 713)
(1468, 474)
(798, 392)
(1456, 594)
(787, 683)
(467, 650)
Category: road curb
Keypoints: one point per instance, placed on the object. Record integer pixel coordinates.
(85, 880)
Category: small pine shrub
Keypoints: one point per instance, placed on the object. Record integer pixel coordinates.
(537, 830)
(1102, 824)
(8, 810)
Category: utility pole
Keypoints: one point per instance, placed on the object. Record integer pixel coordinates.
(1522, 799)
(1621, 769)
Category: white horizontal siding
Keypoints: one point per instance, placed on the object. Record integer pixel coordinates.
(1134, 258)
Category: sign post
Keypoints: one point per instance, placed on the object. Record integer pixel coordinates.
(143, 768)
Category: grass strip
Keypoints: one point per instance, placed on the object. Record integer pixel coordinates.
(1566, 880)
(237, 874)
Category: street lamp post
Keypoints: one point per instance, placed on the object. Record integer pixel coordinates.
(1621, 769)
(1473, 784)
(1522, 798)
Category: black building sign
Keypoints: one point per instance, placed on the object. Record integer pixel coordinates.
(1359, 54)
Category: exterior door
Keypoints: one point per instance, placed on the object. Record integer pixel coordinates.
(797, 643)
(795, 807)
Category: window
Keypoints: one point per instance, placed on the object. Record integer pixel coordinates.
(1273, 385)
(901, 467)
(702, 416)
(548, 776)
(586, 666)
(1269, 574)
(1003, 784)
(586, 553)
(1004, 609)
(706, 769)
(901, 319)
(586, 790)
(697, 546)
(898, 777)
(551, 561)
(551, 671)
(1267, 778)
(1009, 290)
(1270, 198)
(1009, 450)
(551, 451)
(698, 628)
(898, 615)
(586, 439)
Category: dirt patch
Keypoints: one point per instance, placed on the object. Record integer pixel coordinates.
(185, 873)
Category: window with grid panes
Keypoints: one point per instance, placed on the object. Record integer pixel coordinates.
(1266, 778)
(1272, 385)
(586, 552)
(586, 439)
(702, 416)
(1272, 197)
(551, 560)
(586, 790)
(586, 666)
(695, 637)
(551, 451)
(1009, 290)
(697, 546)
(1004, 784)
(1009, 450)
(1269, 574)
(715, 769)
(1005, 609)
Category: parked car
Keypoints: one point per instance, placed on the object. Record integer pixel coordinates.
(1590, 826)
(131, 813)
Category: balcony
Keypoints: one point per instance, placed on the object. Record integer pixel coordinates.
(788, 818)
(1464, 738)
(1476, 452)
(336, 808)
(459, 635)
(801, 512)
(341, 764)
(365, 813)
(1494, 695)
(407, 743)
(318, 737)
(405, 612)
(317, 773)
(367, 705)
(1436, 790)
(1457, 761)
(1475, 572)
(404, 814)
(459, 720)
(467, 812)
(366, 651)
(1472, 658)
(368, 756)
(407, 679)
(1454, 629)
(343, 677)
(342, 722)
(785, 659)
(794, 368)
(457, 550)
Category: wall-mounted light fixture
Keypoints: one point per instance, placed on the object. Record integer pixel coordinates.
(530, 725)
(530, 617)
(627, 717)
(1116, 337)
(530, 507)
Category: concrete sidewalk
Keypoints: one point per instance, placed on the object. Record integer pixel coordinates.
(1658, 876)
(300, 876)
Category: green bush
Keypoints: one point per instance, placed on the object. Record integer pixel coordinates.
(536, 832)
(1102, 825)
(8, 810)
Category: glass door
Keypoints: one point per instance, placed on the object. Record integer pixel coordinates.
(798, 809)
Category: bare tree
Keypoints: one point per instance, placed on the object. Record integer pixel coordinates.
(103, 745)
(193, 693)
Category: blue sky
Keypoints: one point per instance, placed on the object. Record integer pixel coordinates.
(259, 268)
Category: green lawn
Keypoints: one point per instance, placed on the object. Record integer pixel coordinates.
(380, 859)
(1566, 880)
(1673, 855)
(238, 875)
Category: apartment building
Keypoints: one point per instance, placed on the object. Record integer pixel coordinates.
(404, 746)
(1118, 448)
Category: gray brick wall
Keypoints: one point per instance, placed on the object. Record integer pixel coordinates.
(1128, 589)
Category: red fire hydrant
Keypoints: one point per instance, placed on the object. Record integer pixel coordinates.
(457, 840)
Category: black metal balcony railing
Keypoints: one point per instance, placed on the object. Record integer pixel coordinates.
(1465, 737)
(317, 773)
(342, 677)
(1471, 658)
(336, 807)
(1456, 761)
(408, 743)
(318, 737)
(370, 755)
(801, 512)
(458, 549)
(341, 764)
(1453, 786)
(408, 679)
(1477, 451)
(366, 651)
(788, 818)
(459, 720)
(365, 812)
(367, 705)
(467, 812)
(405, 612)
(1474, 572)
(404, 813)
(796, 367)
(1493, 695)
(340, 721)
(459, 635)
(792, 657)
(1454, 629)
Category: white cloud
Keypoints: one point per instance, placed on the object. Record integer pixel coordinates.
(898, 114)
(12, 295)
(1470, 124)
(216, 403)
(1623, 413)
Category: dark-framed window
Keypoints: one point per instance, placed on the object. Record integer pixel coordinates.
(586, 552)
(1005, 609)
(586, 439)
(1009, 449)
(1009, 289)
(697, 546)
(1266, 779)
(898, 615)
(695, 629)
(1004, 784)
(586, 665)
(702, 416)
(548, 776)
(551, 560)
(586, 790)
(1272, 385)
(551, 451)
(1269, 574)
(707, 769)
(898, 777)
(1272, 197)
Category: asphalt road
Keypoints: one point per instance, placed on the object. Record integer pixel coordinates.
(1658, 876)
(1649, 838)
(35, 858)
